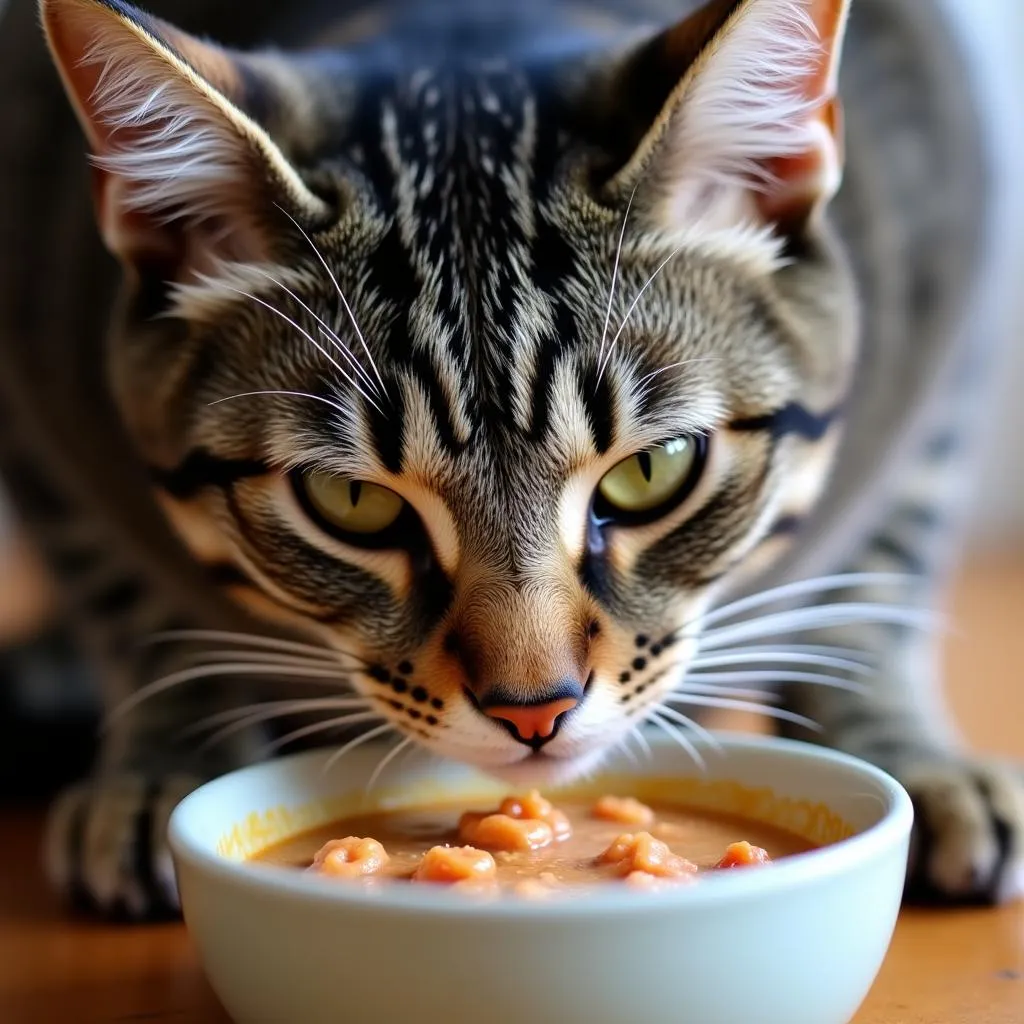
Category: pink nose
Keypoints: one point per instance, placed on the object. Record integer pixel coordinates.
(533, 720)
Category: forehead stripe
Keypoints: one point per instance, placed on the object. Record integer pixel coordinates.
(423, 366)
(387, 429)
(599, 404)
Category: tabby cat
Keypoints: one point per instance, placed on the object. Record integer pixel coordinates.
(489, 367)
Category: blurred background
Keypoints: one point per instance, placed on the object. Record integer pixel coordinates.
(987, 603)
(993, 33)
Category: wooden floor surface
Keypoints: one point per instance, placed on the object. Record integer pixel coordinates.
(943, 968)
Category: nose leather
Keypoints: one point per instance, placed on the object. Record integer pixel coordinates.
(533, 721)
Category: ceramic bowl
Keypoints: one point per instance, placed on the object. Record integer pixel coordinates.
(797, 942)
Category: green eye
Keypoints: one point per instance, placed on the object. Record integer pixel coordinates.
(354, 506)
(650, 479)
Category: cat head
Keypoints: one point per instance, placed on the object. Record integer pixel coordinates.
(486, 370)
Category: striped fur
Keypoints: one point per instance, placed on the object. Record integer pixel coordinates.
(480, 258)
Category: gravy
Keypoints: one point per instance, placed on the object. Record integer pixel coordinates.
(526, 840)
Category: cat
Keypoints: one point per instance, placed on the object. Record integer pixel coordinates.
(514, 374)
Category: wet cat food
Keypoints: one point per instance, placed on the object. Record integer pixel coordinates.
(743, 855)
(528, 846)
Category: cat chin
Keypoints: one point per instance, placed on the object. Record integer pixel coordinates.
(538, 771)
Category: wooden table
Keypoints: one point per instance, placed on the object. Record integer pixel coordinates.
(943, 968)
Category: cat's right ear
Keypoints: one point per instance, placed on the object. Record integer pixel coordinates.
(732, 116)
(182, 172)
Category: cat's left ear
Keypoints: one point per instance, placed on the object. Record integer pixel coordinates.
(182, 172)
(741, 115)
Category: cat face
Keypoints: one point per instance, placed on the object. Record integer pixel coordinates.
(489, 374)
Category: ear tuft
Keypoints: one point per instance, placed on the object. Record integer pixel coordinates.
(751, 129)
(178, 161)
(742, 103)
(174, 151)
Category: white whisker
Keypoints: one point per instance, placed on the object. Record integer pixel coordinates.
(327, 331)
(274, 709)
(754, 676)
(385, 761)
(347, 413)
(622, 745)
(250, 639)
(269, 658)
(344, 301)
(816, 585)
(309, 337)
(742, 705)
(681, 740)
(707, 684)
(641, 390)
(418, 750)
(641, 741)
(819, 617)
(695, 727)
(615, 279)
(353, 743)
(855, 654)
(229, 730)
(341, 722)
(673, 366)
(629, 312)
(189, 675)
(715, 690)
(744, 657)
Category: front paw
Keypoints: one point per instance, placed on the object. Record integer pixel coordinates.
(106, 845)
(968, 842)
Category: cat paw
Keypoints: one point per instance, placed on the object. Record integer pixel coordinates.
(106, 847)
(968, 840)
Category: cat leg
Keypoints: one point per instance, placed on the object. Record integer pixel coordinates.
(105, 845)
(968, 843)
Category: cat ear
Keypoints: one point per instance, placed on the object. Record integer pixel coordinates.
(182, 173)
(751, 125)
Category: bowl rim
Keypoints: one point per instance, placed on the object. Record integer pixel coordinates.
(793, 872)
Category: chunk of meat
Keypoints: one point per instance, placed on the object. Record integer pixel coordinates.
(531, 805)
(453, 865)
(642, 852)
(528, 822)
(535, 806)
(743, 855)
(623, 809)
(560, 824)
(350, 857)
(503, 832)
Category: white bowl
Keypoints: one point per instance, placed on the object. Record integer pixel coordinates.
(799, 942)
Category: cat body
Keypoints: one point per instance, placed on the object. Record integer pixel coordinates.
(484, 351)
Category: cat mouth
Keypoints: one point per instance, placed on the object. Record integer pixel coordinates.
(543, 769)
